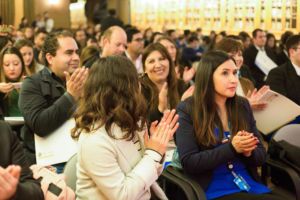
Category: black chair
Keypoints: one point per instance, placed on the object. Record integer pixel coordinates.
(178, 186)
(284, 177)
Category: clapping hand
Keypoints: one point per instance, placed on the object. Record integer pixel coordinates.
(188, 74)
(244, 142)
(254, 96)
(9, 179)
(161, 133)
(163, 98)
(76, 81)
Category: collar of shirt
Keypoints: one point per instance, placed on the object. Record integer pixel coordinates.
(56, 77)
(137, 63)
(297, 68)
(259, 48)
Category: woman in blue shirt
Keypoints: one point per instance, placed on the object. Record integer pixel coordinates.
(217, 140)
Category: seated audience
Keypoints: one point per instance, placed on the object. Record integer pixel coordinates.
(135, 47)
(26, 49)
(39, 39)
(259, 71)
(111, 123)
(159, 84)
(87, 54)
(16, 181)
(282, 56)
(113, 42)
(190, 53)
(12, 69)
(48, 98)
(217, 140)
(285, 79)
(184, 73)
(5, 42)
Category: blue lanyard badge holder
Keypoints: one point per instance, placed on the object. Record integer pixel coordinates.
(240, 182)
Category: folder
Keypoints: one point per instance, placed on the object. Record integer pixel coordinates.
(57, 147)
(264, 63)
(279, 111)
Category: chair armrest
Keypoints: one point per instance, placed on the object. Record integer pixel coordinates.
(196, 187)
(294, 176)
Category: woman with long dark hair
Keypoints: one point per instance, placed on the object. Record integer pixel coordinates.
(218, 143)
(116, 157)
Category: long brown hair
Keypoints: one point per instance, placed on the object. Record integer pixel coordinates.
(32, 68)
(173, 96)
(111, 96)
(204, 108)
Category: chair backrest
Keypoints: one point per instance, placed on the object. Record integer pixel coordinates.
(70, 172)
(290, 133)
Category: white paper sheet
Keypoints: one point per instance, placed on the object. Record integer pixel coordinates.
(14, 121)
(279, 111)
(264, 62)
(57, 147)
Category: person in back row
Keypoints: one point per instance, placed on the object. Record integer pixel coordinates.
(217, 140)
(48, 98)
(112, 42)
(258, 69)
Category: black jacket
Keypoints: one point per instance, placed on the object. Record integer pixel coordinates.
(249, 59)
(44, 104)
(284, 80)
(11, 153)
(199, 161)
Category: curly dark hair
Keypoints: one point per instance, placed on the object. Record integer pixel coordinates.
(111, 96)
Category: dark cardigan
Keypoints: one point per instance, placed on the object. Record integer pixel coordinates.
(199, 161)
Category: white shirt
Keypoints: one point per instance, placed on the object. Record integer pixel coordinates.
(297, 68)
(137, 63)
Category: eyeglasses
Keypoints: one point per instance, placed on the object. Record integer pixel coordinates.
(139, 40)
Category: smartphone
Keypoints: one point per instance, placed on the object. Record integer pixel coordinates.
(17, 85)
(44, 173)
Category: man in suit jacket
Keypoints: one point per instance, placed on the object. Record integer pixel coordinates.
(259, 41)
(16, 181)
(285, 79)
(48, 98)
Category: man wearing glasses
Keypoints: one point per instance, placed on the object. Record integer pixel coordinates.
(135, 47)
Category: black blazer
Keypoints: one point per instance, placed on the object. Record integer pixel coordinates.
(11, 153)
(249, 59)
(199, 161)
(284, 80)
(45, 105)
